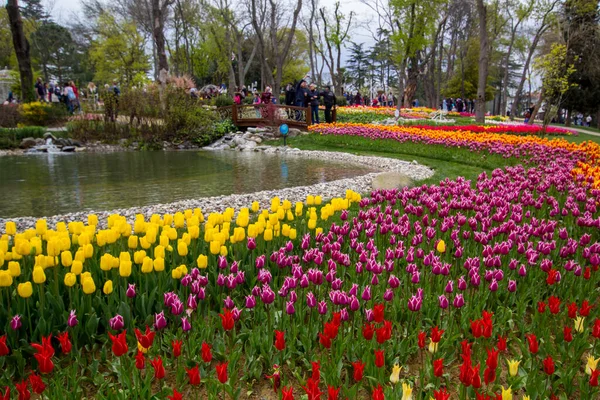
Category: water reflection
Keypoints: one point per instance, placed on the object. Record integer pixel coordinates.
(49, 184)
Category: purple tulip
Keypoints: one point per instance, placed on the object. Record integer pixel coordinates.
(160, 322)
(512, 286)
(195, 273)
(195, 288)
(267, 295)
(344, 314)
(250, 301)
(116, 323)
(304, 282)
(449, 287)
(222, 262)
(221, 280)
(416, 277)
(322, 307)
(415, 303)
(369, 315)
(186, 280)
(354, 303)
(251, 245)
(462, 284)
(443, 302)
(493, 285)
(393, 282)
(260, 262)
(201, 294)
(388, 295)
(311, 300)
(177, 307)
(228, 303)
(459, 301)
(185, 324)
(293, 296)
(130, 290)
(15, 322)
(72, 321)
(168, 298)
(366, 294)
(289, 308)
(192, 303)
(234, 268)
(236, 313)
(522, 270)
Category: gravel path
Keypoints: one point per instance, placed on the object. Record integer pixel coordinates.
(360, 184)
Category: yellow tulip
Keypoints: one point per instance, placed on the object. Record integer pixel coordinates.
(592, 364)
(395, 376)
(89, 287)
(70, 279)
(182, 248)
(275, 204)
(124, 256)
(159, 264)
(579, 324)
(242, 219)
(318, 200)
(194, 230)
(441, 247)
(10, 228)
(215, 247)
(138, 256)
(202, 261)
(125, 268)
(406, 391)
(513, 367)
(507, 393)
(144, 243)
(79, 256)
(25, 290)
(433, 346)
(285, 230)
(132, 242)
(312, 224)
(164, 241)
(76, 267)
(5, 279)
(255, 206)
(268, 235)
(318, 230)
(293, 233)
(88, 250)
(39, 276)
(92, 220)
(310, 200)
(41, 226)
(223, 251)
(66, 258)
(147, 265)
(14, 268)
(176, 273)
(23, 247)
(108, 287)
(106, 262)
(178, 220)
(159, 252)
(239, 234)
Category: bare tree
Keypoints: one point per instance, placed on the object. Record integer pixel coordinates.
(335, 34)
(484, 51)
(21, 46)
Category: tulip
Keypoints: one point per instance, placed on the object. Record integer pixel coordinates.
(513, 367)
(119, 346)
(160, 322)
(441, 246)
(65, 343)
(116, 323)
(159, 369)
(185, 324)
(4, 350)
(579, 324)
(130, 290)
(512, 286)
(193, 375)
(22, 389)
(459, 301)
(548, 365)
(591, 365)
(37, 385)
(406, 391)
(395, 375)
(279, 340)
(72, 320)
(15, 322)
(359, 368)
(443, 302)
(438, 367)
(222, 372)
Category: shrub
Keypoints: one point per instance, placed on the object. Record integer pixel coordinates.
(11, 138)
(341, 101)
(222, 101)
(224, 127)
(9, 115)
(42, 114)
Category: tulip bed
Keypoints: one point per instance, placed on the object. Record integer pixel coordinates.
(483, 290)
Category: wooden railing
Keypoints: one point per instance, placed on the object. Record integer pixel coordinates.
(270, 115)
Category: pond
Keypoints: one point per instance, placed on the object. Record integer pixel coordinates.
(50, 184)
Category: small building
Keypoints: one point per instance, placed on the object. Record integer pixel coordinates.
(5, 84)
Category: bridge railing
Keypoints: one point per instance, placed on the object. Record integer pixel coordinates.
(268, 114)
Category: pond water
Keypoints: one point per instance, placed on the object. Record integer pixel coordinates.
(51, 184)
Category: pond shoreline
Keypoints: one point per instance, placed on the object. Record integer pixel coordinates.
(336, 188)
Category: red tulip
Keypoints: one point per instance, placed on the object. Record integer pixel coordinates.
(312, 389)
(333, 393)
(384, 333)
(140, 361)
(466, 370)
(44, 362)
(442, 394)
(585, 309)
(568, 334)
(422, 336)
(37, 384)
(176, 396)
(438, 367)
(501, 343)
(6, 395)
(159, 369)
(587, 273)
(596, 329)
(477, 328)
(324, 340)
(368, 331)
(222, 372)
(436, 334)
(45, 347)
(379, 358)
(193, 375)
(287, 393)
(475, 377)
(541, 307)
(176, 344)
(145, 339)
(65, 343)
(489, 375)
(3, 348)
(466, 348)
(492, 359)
(487, 324)
(479, 396)
(594, 377)
(378, 393)
(378, 312)
(359, 368)
(331, 329)
(554, 304)
(227, 320)
(548, 365)
(206, 353)
(533, 343)
(316, 371)
(24, 393)
(572, 310)
(279, 340)
(119, 346)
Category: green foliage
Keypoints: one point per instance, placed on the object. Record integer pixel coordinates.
(42, 114)
(225, 126)
(6, 45)
(9, 115)
(11, 138)
(341, 101)
(555, 72)
(467, 88)
(222, 101)
(119, 52)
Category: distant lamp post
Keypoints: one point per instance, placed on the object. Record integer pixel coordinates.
(284, 130)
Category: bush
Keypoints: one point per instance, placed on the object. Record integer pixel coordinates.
(249, 99)
(222, 101)
(9, 115)
(43, 114)
(341, 101)
(224, 127)
(11, 138)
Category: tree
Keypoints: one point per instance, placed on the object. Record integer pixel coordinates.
(483, 62)
(358, 64)
(118, 52)
(160, 9)
(21, 45)
(335, 36)
(53, 47)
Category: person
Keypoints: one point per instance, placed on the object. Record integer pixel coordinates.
(76, 106)
(194, 93)
(314, 103)
(40, 90)
(588, 120)
(448, 104)
(11, 97)
(244, 92)
(390, 99)
(330, 101)
(69, 97)
(93, 95)
(265, 97)
(358, 99)
(256, 102)
(472, 106)
(301, 97)
(237, 98)
(459, 105)
(290, 97)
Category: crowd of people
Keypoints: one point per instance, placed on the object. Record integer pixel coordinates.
(458, 105)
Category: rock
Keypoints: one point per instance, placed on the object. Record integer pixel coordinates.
(42, 148)
(28, 143)
(255, 139)
(249, 145)
(80, 149)
(69, 149)
(391, 180)
(40, 141)
(239, 141)
(49, 135)
(293, 132)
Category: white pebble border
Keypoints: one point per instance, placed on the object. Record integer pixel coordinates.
(328, 190)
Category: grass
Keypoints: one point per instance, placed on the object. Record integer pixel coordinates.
(446, 162)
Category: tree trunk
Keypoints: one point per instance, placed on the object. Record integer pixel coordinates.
(536, 109)
(159, 35)
(21, 46)
(568, 117)
(483, 62)
(517, 99)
